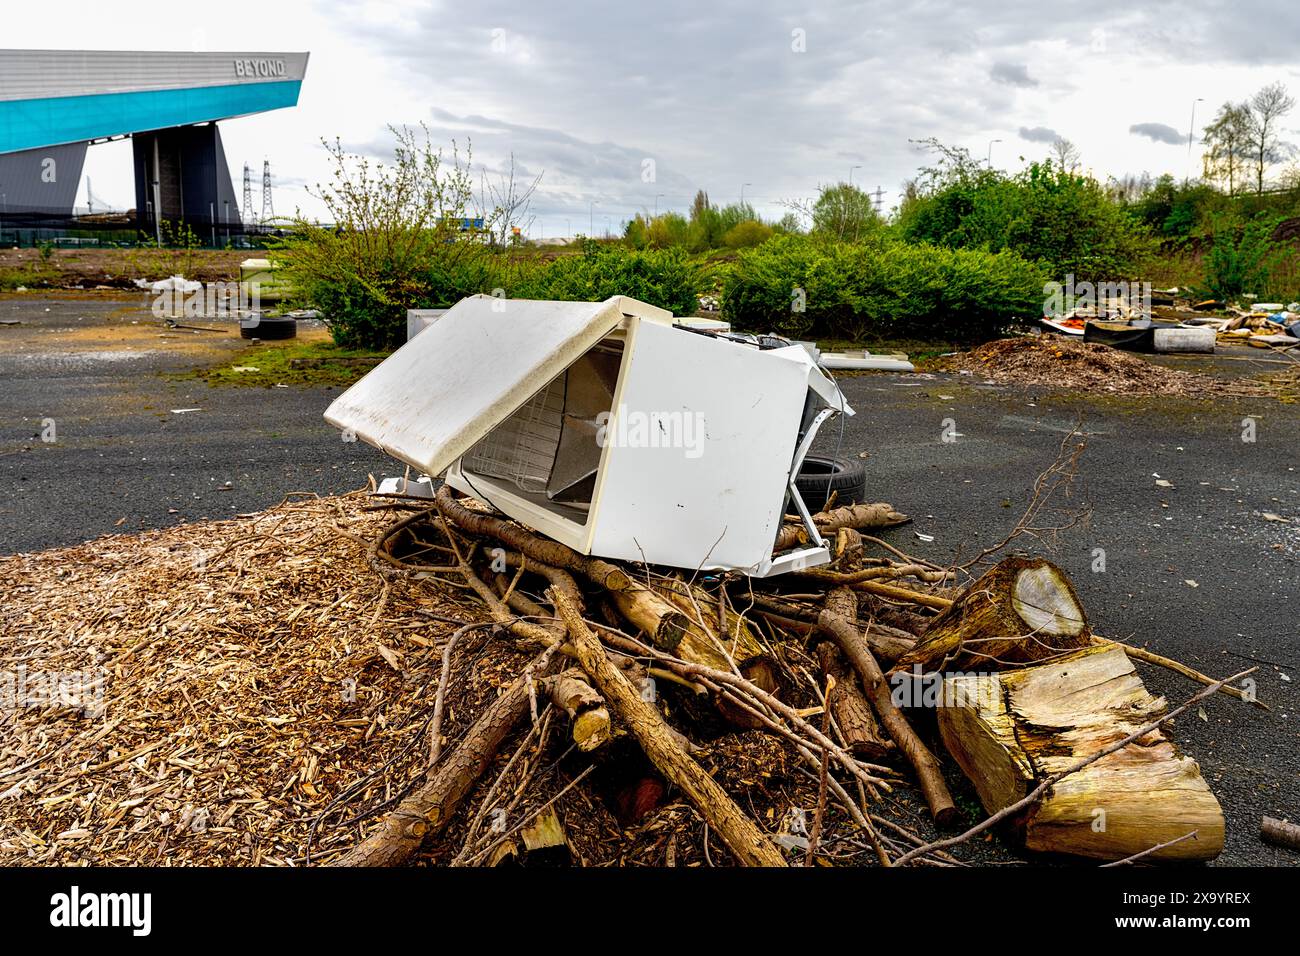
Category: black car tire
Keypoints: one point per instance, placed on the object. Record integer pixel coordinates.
(820, 477)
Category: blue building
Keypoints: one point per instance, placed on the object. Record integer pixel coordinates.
(55, 103)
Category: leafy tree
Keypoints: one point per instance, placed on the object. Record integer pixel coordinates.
(845, 213)
(1227, 142)
(1264, 115)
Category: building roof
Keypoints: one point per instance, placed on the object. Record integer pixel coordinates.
(51, 97)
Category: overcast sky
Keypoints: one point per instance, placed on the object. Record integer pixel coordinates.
(758, 95)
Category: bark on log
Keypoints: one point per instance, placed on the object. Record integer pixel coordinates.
(705, 642)
(586, 709)
(1009, 731)
(834, 622)
(858, 517)
(427, 810)
(1018, 612)
(1279, 833)
(849, 707)
(747, 843)
(645, 609)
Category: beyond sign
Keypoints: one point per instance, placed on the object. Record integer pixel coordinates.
(259, 68)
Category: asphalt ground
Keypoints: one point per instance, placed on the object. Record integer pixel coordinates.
(1195, 570)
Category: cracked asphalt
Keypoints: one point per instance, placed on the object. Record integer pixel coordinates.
(1205, 568)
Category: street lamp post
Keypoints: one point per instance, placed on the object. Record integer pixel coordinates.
(989, 159)
(742, 193)
(657, 195)
(851, 168)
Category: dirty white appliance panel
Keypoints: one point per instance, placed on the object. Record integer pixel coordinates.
(672, 505)
(432, 399)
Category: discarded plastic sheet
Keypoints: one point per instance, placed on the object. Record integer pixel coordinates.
(605, 427)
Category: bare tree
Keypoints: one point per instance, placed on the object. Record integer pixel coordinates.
(507, 203)
(1227, 141)
(1066, 154)
(1264, 115)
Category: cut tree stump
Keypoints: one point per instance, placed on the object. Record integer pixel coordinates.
(1018, 612)
(1009, 731)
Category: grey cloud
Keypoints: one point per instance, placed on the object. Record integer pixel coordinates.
(716, 96)
(1013, 74)
(1039, 134)
(1158, 133)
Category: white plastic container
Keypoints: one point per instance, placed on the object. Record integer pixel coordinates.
(605, 427)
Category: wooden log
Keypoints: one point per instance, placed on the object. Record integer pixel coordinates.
(542, 841)
(1279, 833)
(706, 641)
(834, 622)
(747, 843)
(1018, 612)
(1008, 731)
(645, 609)
(858, 517)
(849, 707)
(586, 709)
(427, 810)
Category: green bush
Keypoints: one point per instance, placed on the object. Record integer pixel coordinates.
(662, 277)
(1243, 259)
(1046, 213)
(804, 288)
(745, 234)
(396, 243)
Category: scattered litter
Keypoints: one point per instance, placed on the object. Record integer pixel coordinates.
(185, 411)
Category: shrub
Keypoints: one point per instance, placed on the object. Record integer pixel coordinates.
(662, 277)
(1056, 216)
(745, 234)
(802, 288)
(396, 243)
(1242, 259)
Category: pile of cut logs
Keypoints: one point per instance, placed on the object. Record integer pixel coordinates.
(1050, 722)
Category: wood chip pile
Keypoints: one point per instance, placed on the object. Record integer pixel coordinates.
(1059, 362)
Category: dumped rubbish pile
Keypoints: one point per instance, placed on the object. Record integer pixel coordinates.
(1174, 322)
(1089, 367)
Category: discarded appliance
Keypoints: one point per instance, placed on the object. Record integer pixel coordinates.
(417, 320)
(607, 428)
